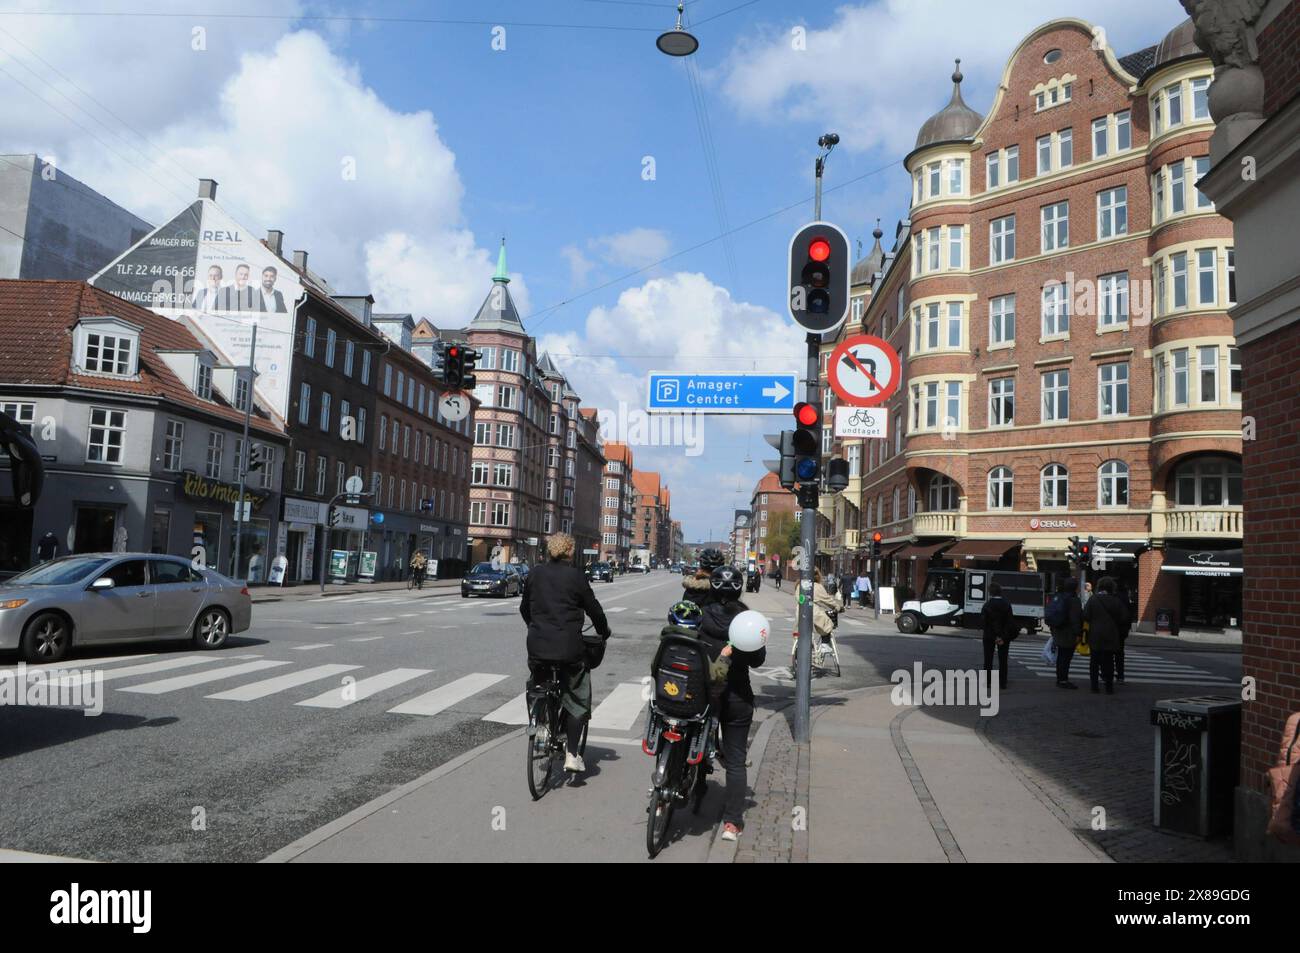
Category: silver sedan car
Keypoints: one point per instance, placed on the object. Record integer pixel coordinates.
(111, 598)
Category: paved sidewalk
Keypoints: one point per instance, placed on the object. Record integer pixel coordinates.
(311, 591)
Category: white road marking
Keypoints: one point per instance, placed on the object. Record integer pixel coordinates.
(621, 707)
(200, 678)
(443, 697)
(513, 712)
(278, 683)
(616, 609)
(385, 618)
(185, 661)
(364, 688)
(310, 646)
(68, 663)
(408, 615)
(413, 632)
(368, 638)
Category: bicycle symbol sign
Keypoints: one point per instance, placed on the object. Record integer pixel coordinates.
(864, 371)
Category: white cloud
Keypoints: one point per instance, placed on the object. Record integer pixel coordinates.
(635, 248)
(296, 140)
(876, 71)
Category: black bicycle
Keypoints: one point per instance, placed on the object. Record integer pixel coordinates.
(415, 579)
(547, 724)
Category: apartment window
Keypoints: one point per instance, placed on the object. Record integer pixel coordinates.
(1208, 360)
(340, 476)
(397, 433)
(1177, 195)
(506, 397)
(506, 435)
(487, 358)
(932, 249)
(503, 475)
(1056, 310)
(309, 338)
(365, 367)
(1158, 195)
(203, 384)
(1181, 382)
(1013, 164)
(238, 464)
(992, 163)
(478, 512)
(325, 411)
(1112, 390)
(955, 239)
(268, 466)
(509, 360)
(479, 474)
(500, 514)
(1056, 396)
(925, 405)
(1112, 212)
(1000, 488)
(1174, 95)
(108, 353)
(345, 411)
(1112, 295)
(954, 324)
(322, 473)
(383, 431)
(1157, 113)
(1100, 137)
(241, 392)
(172, 445)
(1208, 482)
(388, 380)
(361, 425)
(933, 174)
(1002, 401)
(1002, 240)
(1207, 267)
(1160, 383)
(1112, 479)
(1234, 374)
(349, 352)
(1065, 147)
(1202, 166)
(942, 494)
(932, 326)
(1178, 274)
(1123, 131)
(952, 406)
(956, 176)
(299, 470)
(1055, 486)
(898, 433)
(1201, 98)
(1056, 226)
(1044, 154)
(482, 433)
(1002, 320)
(216, 446)
(1232, 276)
(406, 442)
(331, 342)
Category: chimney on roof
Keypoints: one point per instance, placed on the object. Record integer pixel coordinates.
(275, 240)
(300, 260)
(208, 189)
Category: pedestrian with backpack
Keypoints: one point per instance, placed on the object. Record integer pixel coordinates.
(1064, 617)
(999, 629)
(1107, 619)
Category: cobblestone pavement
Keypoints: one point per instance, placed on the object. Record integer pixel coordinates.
(780, 786)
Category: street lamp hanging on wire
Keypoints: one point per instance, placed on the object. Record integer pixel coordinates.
(677, 42)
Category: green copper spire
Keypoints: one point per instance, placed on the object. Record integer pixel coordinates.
(502, 275)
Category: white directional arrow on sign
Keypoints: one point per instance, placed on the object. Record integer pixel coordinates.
(777, 392)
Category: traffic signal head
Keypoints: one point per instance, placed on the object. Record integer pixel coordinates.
(783, 467)
(820, 267)
(255, 457)
(335, 516)
(807, 442)
(468, 361)
(453, 372)
(876, 539)
(837, 475)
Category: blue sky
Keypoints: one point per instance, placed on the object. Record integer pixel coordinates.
(456, 144)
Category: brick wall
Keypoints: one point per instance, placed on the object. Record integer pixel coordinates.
(1279, 58)
(1271, 594)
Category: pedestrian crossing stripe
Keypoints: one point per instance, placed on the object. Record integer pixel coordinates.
(1140, 668)
(619, 710)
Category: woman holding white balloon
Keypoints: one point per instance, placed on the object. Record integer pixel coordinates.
(731, 631)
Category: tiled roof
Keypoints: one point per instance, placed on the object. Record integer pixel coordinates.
(646, 482)
(617, 452)
(1135, 64)
(37, 319)
(771, 483)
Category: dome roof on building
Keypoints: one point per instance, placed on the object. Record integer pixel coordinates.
(868, 266)
(1178, 42)
(952, 122)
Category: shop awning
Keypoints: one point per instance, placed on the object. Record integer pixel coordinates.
(1203, 562)
(982, 548)
(1116, 549)
(921, 552)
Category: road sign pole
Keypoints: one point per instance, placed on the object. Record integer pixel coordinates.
(808, 539)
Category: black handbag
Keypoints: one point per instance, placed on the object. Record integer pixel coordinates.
(593, 651)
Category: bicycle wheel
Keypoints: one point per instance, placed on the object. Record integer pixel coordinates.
(541, 750)
(659, 818)
(831, 656)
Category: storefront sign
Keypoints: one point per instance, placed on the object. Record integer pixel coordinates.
(1164, 620)
(278, 567)
(195, 487)
(1037, 523)
(338, 563)
(349, 517)
(302, 511)
(366, 569)
(426, 528)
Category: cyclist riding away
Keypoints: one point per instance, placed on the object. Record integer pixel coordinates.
(556, 597)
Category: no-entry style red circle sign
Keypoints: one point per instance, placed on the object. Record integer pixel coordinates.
(864, 371)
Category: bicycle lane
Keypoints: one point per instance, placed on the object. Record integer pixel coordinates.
(476, 808)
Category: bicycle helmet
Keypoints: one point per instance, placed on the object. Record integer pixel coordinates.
(711, 559)
(727, 582)
(686, 614)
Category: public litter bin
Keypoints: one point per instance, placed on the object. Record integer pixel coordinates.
(1198, 753)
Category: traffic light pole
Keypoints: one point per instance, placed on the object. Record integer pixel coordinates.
(808, 540)
(241, 523)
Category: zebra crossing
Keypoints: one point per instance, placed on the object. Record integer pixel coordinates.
(1140, 668)
(153, 675)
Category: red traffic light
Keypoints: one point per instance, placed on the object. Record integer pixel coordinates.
(819, 249)
(453, 351)
(806, 414)
(876, 537)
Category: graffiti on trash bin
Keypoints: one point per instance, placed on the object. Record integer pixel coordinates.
(1179, 774)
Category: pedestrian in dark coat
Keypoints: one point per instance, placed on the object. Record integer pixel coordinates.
(847, 585)
(999, 629)
(1108, 621)
(1067, 636)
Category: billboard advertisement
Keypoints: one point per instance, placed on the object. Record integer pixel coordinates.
(205, 266)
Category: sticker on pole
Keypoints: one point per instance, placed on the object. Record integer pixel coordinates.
(864, 423)
(864, 371)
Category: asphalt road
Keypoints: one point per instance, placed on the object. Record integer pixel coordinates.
(231, 755)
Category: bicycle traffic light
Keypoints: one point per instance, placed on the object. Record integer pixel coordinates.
(784, 467)
(820, 268)
(807, 442)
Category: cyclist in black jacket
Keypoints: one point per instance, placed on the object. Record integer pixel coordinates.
(556, 597)
(736, 712)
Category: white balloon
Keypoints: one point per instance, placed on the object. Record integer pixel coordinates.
(748, 631)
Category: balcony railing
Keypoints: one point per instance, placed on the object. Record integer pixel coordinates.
(1211, 523)
(942, 523)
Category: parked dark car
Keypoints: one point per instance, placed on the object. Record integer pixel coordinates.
(484, 580)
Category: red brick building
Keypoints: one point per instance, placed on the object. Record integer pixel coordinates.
(617, 502)
(767, 503)
(1058, 295)
(1256, 154)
